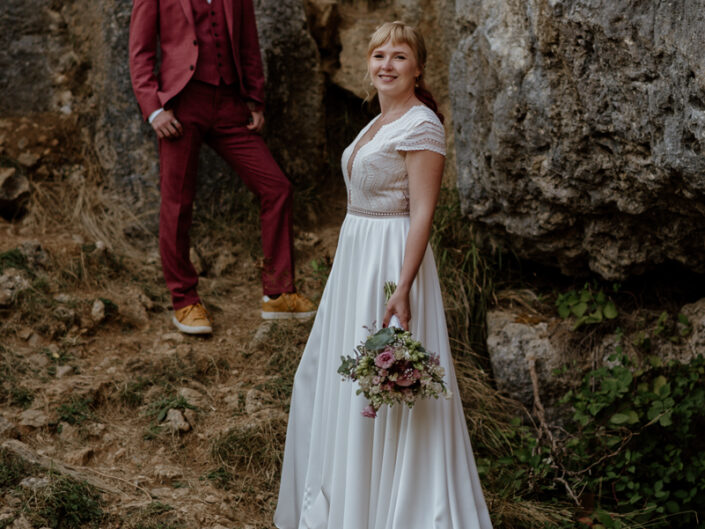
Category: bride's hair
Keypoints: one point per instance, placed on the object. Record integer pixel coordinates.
(399, 33)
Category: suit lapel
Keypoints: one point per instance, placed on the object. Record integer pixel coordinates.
(230, 7)
(188, 11)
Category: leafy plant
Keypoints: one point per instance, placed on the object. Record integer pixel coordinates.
(64, 504)
(159, 409)
(588, 306)
(12, 259)
(76, 410)
(636, 446)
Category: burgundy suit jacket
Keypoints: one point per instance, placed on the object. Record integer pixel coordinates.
(171, 21)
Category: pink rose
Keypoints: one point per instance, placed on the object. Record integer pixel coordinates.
(408, 377)
(369, 411)
(385, 359)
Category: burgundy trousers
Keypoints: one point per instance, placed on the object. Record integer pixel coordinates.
(217, 116)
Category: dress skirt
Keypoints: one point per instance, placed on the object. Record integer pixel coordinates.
(405, 469)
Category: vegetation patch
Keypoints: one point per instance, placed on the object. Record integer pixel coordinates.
(636, 446)
(63, 503)
(12, 470)
(76, 410)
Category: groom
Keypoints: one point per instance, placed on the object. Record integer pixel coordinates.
(209, 88)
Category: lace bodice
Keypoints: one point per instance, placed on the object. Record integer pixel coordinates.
(378, 185)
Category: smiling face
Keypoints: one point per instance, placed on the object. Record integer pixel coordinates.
(393, 69)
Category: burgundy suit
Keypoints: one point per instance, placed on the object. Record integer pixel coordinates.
(210, 72)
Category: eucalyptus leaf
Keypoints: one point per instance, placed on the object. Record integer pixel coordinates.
(380, 339)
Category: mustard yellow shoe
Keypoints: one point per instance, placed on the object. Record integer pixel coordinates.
(287, 306)
(192, 319)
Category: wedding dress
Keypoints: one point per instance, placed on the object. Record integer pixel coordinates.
(408, 468)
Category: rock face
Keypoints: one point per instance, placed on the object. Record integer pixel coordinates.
(72, 58)
(580, 130)
(14, 191)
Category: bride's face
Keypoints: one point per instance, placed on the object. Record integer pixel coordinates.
(393, 69)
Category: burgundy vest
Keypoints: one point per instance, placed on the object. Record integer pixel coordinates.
(215, 56)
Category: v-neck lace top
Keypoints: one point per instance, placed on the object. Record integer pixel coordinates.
(378, 184)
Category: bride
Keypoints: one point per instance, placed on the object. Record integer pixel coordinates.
(408, 468)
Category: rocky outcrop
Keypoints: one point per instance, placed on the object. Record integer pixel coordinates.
(580, 130)
(71, 58)
(14, 192)
(520, 341)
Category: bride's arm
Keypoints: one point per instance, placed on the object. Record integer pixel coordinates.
(425, 170)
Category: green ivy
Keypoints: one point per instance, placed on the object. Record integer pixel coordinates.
(587, 306)
(637, 448)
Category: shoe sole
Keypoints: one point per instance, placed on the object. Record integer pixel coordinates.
(203, 329)
(287, 315)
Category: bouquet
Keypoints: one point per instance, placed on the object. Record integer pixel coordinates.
(391, 367)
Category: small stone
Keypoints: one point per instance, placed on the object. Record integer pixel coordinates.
(254, 401)
(24, 333)
(28, 159)
(95, 430)
(34, 340)
(35, 255)
(12, 282)
(54, 350)
(176, 422)
(98, 311)
(62, 298)
(191, 417)
(197, 261)
(81, 457)
(33, 419)
(68, 433)
(261, 334)
(65, 314)
(62, 371)
(212, 499)
(173, 337)
(43, 171)
(21, 523)
(193, 397)
(167, 472)
(38, 361)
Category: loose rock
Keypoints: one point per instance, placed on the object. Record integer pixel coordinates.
(98, 311)
(33, 419)
(176, 422)
(12, 282)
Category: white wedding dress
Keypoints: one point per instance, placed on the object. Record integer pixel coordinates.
(408, 468)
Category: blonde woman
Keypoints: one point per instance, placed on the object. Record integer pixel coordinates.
(407, 468)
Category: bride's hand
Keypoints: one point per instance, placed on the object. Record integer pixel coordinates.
(398, 305)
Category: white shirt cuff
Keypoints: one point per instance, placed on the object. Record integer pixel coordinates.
(155, 114)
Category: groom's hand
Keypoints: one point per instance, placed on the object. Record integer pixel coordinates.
(167, 126)
(257, 121)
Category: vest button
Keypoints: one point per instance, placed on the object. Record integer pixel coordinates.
(190, 67)
(195, 43)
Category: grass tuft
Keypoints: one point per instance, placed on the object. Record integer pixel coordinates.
(12, 470)
(252, 449)
(64, 504)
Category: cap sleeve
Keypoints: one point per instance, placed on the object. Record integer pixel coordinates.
(424, 136)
